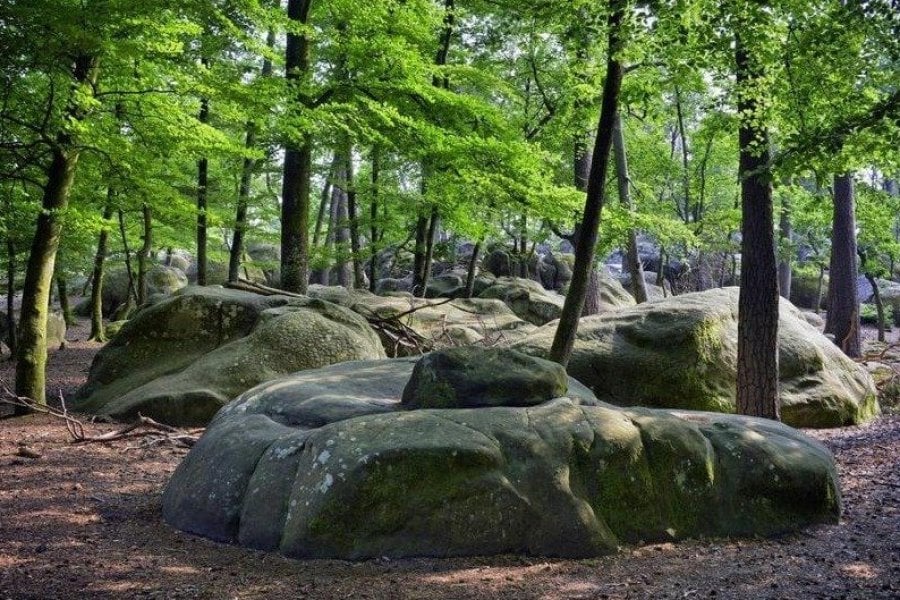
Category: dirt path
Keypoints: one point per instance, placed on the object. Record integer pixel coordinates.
(84, 522)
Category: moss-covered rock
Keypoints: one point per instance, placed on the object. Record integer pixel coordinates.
(527, 298)
(181, 359)
(328, 463)
(160, 280)
(682, 353)
(476, 377)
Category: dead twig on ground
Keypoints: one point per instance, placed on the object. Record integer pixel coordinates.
(142, 427)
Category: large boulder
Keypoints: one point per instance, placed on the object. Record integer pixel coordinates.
(181, 359)
(682, 353)
(805, 288)
(160, 280)
(527, 298)
(329, 464)
(56, 330)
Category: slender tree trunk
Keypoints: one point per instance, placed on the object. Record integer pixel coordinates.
(359, 276)
(12, 335)
(429, 250)
(240, 221)
(473, 269)
(97, 332)
(373, 216)
(564, 340)
(879, 304)
(342, 238)
(236, 252)
(32, 351)
(418, 286)
(324, 204)
(632, 259)
(843, 308)
(297, 165)
(144, 254)
(62, 288)
(685, 172)
(202, 201)
(757, 368)
(784, 265)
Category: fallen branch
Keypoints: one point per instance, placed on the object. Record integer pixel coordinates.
(142, 427)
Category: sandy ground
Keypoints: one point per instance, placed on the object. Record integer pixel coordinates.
(83, 521)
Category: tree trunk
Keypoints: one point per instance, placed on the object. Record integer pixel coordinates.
(784, 266)
(473, 267)
(62, 288)
(97, 332)
(685, 173)
(236, 252)
(12, 335)
(342, 238)
(144, 254)
(429, 250)
(564, 340)
(32, 343)
(202, 199)
(419, 255)
(297, 166)
(632, 259)
(359, 276)
(843, 308)
(323, 205)
(819, 285)
(757, 368)
(373, 216)
(879, 305)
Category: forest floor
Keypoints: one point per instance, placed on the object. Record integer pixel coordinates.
(83, 521)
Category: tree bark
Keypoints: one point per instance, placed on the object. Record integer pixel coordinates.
(32, 351)
(123, 311)
(419, 253)
(323, 205)
(757, 368)
(784, 265)
(473, 268)
(359, 276)
(62, 288)
(202, 200)
(632, 259)
(843, 308)
(12, 335)
(429, 250)
(97, 332)
(297, 166)
(236, 251)
(373, 216)
(144, 254)
(564, 340)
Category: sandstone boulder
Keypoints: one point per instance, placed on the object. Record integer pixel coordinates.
(178, 361)
(329, 464)
(682, 353)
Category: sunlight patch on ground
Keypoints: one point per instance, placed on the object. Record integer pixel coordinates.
(860, 570)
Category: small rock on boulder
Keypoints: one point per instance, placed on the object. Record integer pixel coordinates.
(475, 377)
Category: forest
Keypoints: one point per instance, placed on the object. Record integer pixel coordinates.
(449, 298)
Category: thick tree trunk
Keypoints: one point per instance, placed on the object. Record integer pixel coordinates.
(784, 265)
(564, 340)
(97, 332)
(632, 259)
(473, 270)
(297, 166)
(843, 307)
(757, 368)
(202, 200)
(144, 254)
(32, 351)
